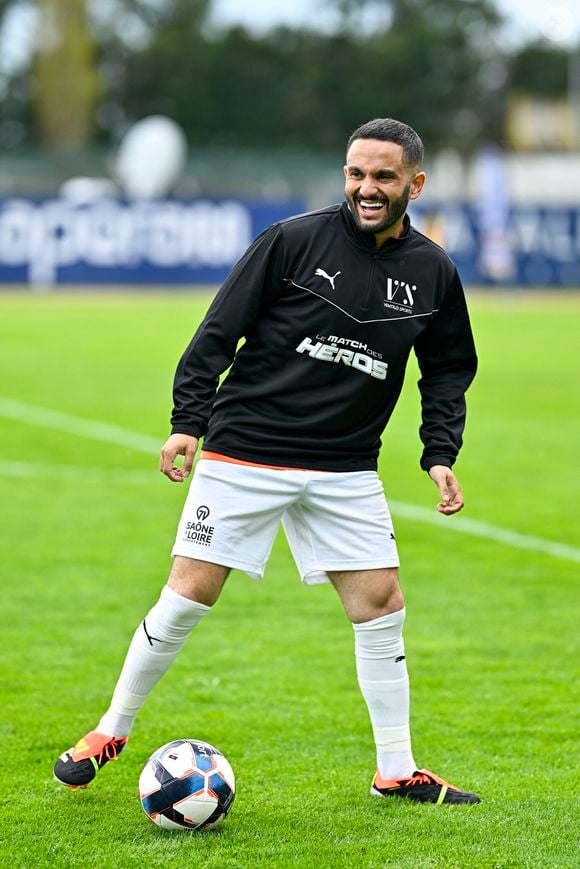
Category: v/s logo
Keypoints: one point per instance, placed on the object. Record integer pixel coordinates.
(202, 513)
(393, 288)
(330, 278)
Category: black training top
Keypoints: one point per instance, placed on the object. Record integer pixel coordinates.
(329, 321)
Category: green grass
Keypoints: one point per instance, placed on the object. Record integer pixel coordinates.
(269, 677)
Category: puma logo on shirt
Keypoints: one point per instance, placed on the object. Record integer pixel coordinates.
(330, 279)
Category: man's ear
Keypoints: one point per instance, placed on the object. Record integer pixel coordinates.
(417, 185)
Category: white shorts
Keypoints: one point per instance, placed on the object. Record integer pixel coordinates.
(333, 521)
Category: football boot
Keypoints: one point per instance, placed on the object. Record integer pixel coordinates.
(423, 787)
(79, 765)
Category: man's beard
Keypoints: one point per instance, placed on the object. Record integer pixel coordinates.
(395, 210)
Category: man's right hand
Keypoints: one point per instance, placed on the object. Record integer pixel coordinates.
(177, 445)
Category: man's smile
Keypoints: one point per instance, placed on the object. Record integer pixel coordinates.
(371, 208)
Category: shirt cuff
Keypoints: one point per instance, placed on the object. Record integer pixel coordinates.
(427, 462)
(192, 431)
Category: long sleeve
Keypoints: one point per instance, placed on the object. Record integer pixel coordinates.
(254, 280)
(448, 362)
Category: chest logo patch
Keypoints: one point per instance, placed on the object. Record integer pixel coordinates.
(400, 297)
(331, 279)
(401, 292)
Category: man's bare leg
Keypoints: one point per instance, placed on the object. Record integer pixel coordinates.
(368, 594)
(200, 581)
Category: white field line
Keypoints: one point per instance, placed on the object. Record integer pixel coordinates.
(477, 528)
(85, 428)
(123, 437)
(77, 473)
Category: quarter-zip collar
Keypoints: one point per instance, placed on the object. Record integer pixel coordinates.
(366, 240)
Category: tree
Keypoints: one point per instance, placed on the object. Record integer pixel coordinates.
(65, 79)
(540, 69)
(67, 85)
(166, 73)
(426, 64)
(435, 63)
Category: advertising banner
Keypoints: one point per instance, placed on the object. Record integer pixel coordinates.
(54, 242)
(534, 246)
(58, 241)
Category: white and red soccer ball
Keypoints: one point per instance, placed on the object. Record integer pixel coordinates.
(187, 785)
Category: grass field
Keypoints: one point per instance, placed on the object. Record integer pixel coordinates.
(269, 677)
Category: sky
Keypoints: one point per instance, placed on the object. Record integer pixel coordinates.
(527, 19)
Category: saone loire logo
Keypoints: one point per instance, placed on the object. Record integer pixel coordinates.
(199, 532)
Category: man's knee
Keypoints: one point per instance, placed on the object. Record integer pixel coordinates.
(369, 594)
(380, 595)
(390, 599)
(200, 581)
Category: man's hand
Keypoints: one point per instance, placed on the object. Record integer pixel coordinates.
(177, 445)
(449, 489)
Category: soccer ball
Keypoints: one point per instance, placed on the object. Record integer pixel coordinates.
(187, 785)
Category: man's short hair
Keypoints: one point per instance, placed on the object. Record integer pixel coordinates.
(389, 130)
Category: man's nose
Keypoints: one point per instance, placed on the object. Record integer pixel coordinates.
(368, 188)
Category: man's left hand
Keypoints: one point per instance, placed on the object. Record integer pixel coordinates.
(449, 489)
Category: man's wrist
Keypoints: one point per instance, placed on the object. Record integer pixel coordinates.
(186, 430)
(429, 462)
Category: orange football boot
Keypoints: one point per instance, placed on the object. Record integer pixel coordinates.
(79, 765)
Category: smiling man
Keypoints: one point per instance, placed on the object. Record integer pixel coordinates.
(330, 304)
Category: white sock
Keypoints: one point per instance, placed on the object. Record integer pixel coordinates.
(155, 645)
(384, 682)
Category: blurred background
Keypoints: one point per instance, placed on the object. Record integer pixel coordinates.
(148, 141)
